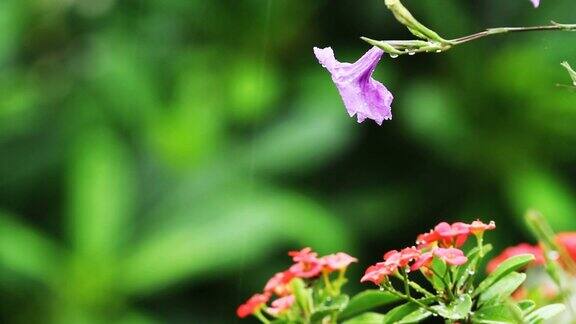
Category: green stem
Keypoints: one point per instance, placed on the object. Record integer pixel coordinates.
(401, 47)
(327, 283)
(405, 279)
(261, 316)
(413, 300)
(505, 30)
(415, 286)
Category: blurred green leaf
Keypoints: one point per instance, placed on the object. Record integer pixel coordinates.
(314, 131)
(545, 313)
(254, 87)
(26, 252)
(230, 228)
(540, 189)
(101, 189)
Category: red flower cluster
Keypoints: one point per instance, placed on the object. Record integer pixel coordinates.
(453, 235)
(306, 265)
(442, 242)
(566, 240)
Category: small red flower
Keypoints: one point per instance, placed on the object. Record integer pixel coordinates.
(523, 248)
(423, 262)
(307, 263)
(281, 305)
(378, 273)
(279, 283)
(338, 261)
(407, 255)
(452, 235)
(478, 228)
(303, 255)
(451, 256)
(427, 239)
(252, 305)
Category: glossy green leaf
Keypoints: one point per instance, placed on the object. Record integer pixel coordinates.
(366, 301)
(415, 317)
(398, 313)
(502, 289)
(494, 314)
(511, 264)
(459, 309)
(367, 318)
(329, 307)
(526, 305)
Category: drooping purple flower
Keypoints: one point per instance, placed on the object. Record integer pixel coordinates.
(362, 95)
(536, 3)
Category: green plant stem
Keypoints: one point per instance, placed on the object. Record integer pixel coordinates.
(327, 283)
(261, 317)
(401, 47)
(415, 286)
(406, 285)
(505, 30)
(413, 300)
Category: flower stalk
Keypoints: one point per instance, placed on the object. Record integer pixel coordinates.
(433, 42)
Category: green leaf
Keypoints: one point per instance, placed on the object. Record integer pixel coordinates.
(367, 318)
(415, 317)
(502, 289)
(410, 310)
(459, 309)
(367, 300)
(220, 230)
(26, 252)
(494, 314)
(330, 306)
(511, 264)
(286, 146)
(101, 189)
(526, 305)
(545, 313)
(439, 268)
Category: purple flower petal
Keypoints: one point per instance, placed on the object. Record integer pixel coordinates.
(362, 95)
(536, 3)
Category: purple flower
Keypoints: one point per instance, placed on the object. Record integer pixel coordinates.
(362, 95)
(536, 3)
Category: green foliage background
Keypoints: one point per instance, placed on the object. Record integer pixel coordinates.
(159, 157)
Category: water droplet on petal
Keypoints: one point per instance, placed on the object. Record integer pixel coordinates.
(438, 51)
(553, 255)
(392, 55)
(411, 53)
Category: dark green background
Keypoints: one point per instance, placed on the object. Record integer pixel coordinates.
(159, 157)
